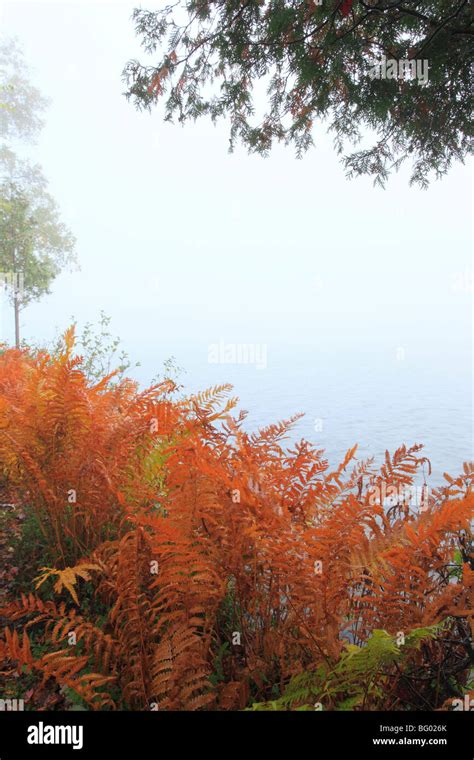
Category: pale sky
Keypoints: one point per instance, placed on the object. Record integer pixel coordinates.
(184, 244)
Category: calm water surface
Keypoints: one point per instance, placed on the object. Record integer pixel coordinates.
(379, 397)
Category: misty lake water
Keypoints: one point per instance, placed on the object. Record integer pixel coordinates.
(379, 397)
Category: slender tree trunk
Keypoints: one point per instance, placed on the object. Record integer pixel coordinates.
(16, 298)
(16, 306)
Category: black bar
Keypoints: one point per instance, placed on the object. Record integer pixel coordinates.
(315, 734)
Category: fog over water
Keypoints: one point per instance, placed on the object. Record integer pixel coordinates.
(348, 303)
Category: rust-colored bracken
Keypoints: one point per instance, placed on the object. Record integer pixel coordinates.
(187, 564)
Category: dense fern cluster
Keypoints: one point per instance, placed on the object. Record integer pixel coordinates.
(178, 562)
